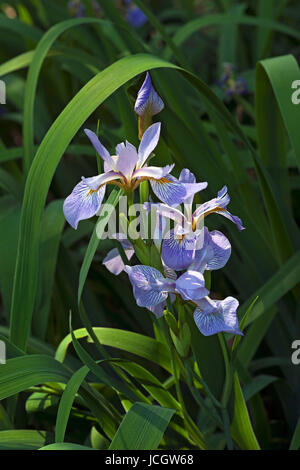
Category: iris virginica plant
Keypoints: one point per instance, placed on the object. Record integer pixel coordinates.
(189, 247)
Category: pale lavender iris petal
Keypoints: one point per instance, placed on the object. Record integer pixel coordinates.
(149, 286)
(178, 254)
(192, 189)
(221, 201)
(189, 180)
(148, 143)
(113, 261)
(82, 203)
(234, 218)
(214, 253)
(214, 316)
(186, 176)
(191, 286)
(127, 160)
(96, 181)
(169, 190)
(120, 147)
(148, 99)
(154, 172)
(104, 154)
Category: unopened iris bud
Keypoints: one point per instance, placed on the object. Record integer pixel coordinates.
(148, 103)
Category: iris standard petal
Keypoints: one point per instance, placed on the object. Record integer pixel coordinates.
(148, 99)
(148, 284)
(214, 316)
(169, 190)
(148, 143)
(191, 286)
(82, 203)
(127, 160)
(178, 253)
(189, 180)
(104, 154)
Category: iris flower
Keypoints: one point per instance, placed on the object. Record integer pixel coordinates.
(151, 288)
(214, 316)
(182, 245)
(127, 169)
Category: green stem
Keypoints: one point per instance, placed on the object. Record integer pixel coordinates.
(228, 372)
(191, 426)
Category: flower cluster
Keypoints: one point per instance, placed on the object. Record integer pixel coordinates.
(186, 251)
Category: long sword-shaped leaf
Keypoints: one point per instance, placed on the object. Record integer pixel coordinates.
(142, 428)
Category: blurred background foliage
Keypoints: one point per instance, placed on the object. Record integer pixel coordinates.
(228, 117)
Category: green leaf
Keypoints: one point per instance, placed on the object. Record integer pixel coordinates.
(257, 384)
(23, 439)
(134, 343)
(20, 373)
(66, 402)
(274, 289)
(65, 446)
(295, 443)
(33, 74)
(52, 225)
(142, 428)
(185, 31)
(241, 426)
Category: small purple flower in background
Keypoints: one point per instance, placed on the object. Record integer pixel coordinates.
(127, 169)
(231, 84)
(148, 103)
(76, 8)
(134, 15)
(214, 316)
